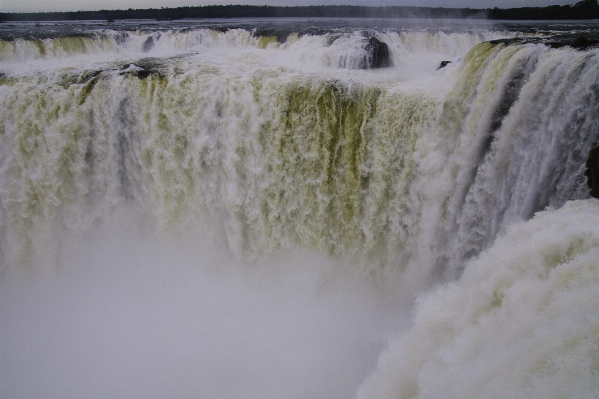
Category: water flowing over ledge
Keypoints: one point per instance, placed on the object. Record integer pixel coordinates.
(277, 157)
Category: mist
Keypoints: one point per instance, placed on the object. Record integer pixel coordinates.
(126, 314)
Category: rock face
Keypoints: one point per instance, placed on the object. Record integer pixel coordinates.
(443, 64)
(592, 172)
(148, 44)
(142, 69)
(378, 54)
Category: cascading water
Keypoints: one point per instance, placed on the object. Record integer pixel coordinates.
(221, 213)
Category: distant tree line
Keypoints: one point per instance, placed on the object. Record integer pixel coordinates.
(586, 9)
(246, 11)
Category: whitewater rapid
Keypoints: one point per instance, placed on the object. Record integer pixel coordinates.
(242, 212)
(521, 321)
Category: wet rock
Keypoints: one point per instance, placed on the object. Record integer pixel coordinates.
(143, 74)
(143, 69)
(148, 45)
(378, 54)
(332, 38)
(582, 43)
(507, 42)
(86, 76)
(443, 64)
(281, 34)
(592, 172)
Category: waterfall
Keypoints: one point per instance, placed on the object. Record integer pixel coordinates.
(248, 157)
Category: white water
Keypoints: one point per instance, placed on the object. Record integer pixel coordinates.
(254, 219)
(522, 321)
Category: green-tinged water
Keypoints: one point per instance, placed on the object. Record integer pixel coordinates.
(287, 161)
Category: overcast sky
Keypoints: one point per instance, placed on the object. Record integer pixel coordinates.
(75, 5)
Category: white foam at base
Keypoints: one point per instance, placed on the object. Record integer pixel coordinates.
(522, 321)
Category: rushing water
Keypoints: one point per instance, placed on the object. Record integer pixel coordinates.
(239, 209)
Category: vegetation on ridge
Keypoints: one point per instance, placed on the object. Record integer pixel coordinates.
(586, 9)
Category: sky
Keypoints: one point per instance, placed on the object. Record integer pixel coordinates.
(85, 5)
